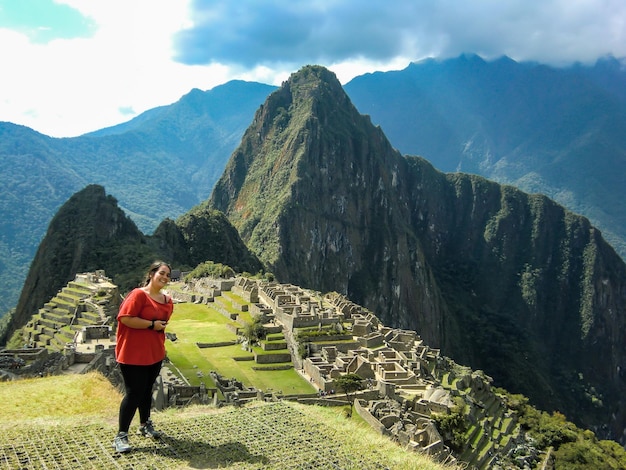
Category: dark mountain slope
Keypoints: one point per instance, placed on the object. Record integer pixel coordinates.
(158, 165)
(501, 280)
(560, 132)
(207, 234)
(91, 232)
(88, 232)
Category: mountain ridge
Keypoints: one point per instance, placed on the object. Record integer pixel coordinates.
(556, 131)
(162, 139)
(432, 252)
(159, 165)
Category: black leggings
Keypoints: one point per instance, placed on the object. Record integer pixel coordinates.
(138, 382)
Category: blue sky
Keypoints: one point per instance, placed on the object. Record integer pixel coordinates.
(73, 66)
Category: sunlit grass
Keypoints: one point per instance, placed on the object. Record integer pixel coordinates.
(360, 437)
(202, 322)
(58, 397)
(193, 323)
(49, 413)
(196, 323)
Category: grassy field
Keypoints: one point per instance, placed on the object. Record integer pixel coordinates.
(68, 422)
(199, 323)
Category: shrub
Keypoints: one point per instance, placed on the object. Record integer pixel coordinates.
(452, 426)
(211, 269)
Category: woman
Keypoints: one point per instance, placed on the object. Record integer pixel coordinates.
(140, 349)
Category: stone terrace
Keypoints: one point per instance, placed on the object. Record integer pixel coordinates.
(84, 302)
(412, 380)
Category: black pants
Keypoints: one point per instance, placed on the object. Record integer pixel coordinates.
(138, 382)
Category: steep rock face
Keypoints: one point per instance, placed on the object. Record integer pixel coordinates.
(91, 232)
(556, 131)
(533, 289)
(85, 234)
(313, 188)
(504, 281)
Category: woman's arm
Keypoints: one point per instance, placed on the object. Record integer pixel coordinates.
(142, 323)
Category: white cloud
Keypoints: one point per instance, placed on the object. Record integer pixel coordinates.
(136, 56)
(71, 86)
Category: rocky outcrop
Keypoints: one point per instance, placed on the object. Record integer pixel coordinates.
(91, 232)
(502, 281)
(87, 234)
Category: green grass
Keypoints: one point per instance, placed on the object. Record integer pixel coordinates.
(68, 422)
(57, 397)
(196, 323)
(200, 323)
(234, 297)
(275, 337)
(63, 304)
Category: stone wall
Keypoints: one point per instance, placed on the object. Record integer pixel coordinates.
(272, 358)
(364, 413)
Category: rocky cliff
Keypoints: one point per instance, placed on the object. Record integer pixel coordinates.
(90, 232)
(558, 131)
(501, 280)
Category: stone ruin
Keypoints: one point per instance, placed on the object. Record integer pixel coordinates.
(405, 381)
(234, 391)
(89, 300)
(204, 290)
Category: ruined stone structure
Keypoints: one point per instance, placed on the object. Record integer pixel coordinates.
(406, 383)
(90, 300)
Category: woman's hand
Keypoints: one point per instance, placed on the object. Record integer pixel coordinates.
(159, 325)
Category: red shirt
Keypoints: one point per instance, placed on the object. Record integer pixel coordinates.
(142, 347)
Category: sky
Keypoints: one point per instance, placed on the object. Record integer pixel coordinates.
(75, 66)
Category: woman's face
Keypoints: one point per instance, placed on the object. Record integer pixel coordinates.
(161, 276)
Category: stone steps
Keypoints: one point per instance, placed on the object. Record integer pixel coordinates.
(68, 297)
(49, 323)
(56, 317)
(92, 317)
(57, 343)
(63, 310)
(73, 285)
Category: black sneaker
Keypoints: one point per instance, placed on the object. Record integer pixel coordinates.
(121, 442)
(148, 431)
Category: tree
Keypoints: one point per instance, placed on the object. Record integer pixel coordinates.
(348, 384)
(253, 331)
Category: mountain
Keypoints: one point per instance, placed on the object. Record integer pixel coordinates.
(501, 280)
(158, 165)
(555, 131)
(91, 232)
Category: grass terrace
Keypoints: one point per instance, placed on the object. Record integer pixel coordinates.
(201, 323)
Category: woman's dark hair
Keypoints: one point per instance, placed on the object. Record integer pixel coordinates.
(154, 267)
